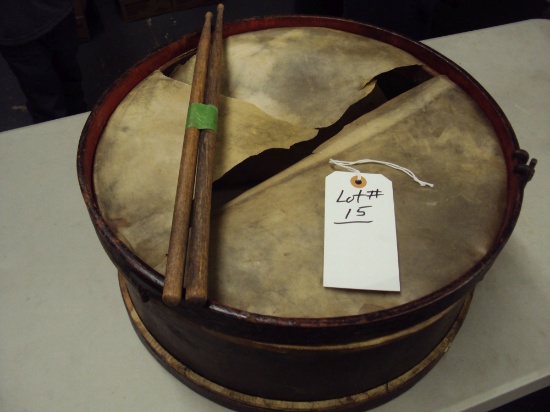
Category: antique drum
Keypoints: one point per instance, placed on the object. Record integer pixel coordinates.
(296, 92)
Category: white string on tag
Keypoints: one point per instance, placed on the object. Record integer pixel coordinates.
(348, 166)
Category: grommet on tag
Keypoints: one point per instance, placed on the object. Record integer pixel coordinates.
(355, 181)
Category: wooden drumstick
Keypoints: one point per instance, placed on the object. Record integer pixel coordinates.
(196, 287)
(177, 249)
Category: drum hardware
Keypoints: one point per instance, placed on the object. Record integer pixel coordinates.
(143, 294)
(522, 168)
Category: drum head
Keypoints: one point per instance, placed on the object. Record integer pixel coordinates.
(287, 109)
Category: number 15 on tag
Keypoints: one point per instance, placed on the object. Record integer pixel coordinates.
(360, 236)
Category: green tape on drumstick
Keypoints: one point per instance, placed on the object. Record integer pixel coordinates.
(202, 116)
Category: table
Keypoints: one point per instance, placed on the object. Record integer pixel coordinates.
(66, 342)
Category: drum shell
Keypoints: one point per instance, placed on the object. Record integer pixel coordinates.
(291, 372)
(235, 348)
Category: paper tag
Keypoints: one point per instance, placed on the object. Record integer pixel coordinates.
(360, 235)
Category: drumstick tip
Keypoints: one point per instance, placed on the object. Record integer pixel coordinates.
(170, 299)
(208, 15)
(220, 8)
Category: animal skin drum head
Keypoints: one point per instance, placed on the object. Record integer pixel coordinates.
(434, 128)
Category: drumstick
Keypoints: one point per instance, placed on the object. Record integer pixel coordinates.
(177, 248)
(196, 286)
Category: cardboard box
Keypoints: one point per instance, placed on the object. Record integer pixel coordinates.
(188, 4)
(141, 9)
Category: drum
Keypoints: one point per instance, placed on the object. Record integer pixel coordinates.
(271, 337)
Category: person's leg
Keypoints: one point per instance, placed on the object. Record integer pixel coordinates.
(63, 41)
(32, 64)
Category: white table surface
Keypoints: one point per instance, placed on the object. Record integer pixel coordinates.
(66, 343)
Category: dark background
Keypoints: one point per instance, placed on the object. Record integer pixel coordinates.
(116, 45)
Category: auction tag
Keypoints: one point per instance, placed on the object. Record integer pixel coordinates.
(360, 236)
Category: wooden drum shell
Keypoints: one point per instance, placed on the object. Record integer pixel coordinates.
(295, 359)
(298, 373)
